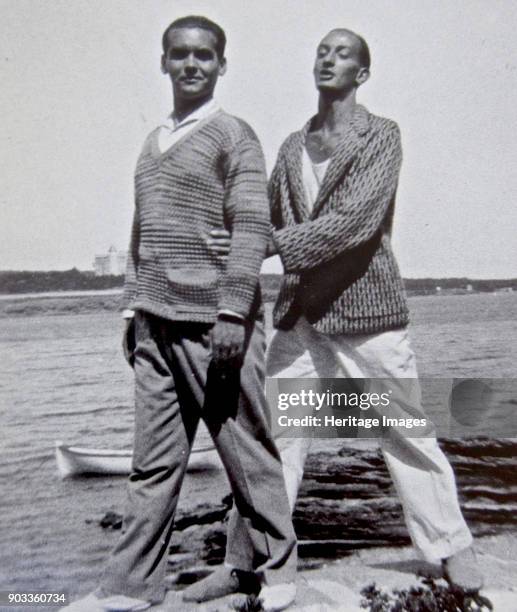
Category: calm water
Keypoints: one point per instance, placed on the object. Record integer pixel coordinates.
(63, 377)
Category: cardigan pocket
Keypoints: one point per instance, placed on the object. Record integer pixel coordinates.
(194, 285)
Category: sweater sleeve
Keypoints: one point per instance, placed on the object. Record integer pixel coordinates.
(367, 195)
(130, 284)
(274, 187)
(247, 209)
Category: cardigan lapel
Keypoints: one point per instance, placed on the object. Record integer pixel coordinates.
(293, 162)
(352, 142)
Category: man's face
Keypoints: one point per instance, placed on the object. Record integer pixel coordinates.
(192, 63)
(337, 67)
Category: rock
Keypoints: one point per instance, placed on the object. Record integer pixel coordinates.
(111, 520)
(347, 502)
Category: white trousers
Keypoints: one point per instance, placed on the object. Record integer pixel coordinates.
(422, 475)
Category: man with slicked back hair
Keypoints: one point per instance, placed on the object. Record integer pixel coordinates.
(195, 337)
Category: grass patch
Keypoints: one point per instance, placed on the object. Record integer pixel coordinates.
(429, 596)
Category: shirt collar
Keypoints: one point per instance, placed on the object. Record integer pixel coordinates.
(205, 110)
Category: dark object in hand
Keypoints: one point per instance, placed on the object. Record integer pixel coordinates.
(129, 341)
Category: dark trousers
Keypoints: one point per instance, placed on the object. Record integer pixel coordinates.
(176, 386)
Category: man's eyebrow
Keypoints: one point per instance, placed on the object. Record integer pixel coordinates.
(338, 48)
(187, 48)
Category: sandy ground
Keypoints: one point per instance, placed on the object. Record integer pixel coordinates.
(336, 586)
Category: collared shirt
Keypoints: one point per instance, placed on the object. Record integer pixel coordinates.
(171, 130)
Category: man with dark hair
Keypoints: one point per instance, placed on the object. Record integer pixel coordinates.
(199, 339)
(342, 310)
(202, 23)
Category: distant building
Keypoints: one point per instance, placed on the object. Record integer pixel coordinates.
(113, 263)
(469, 288)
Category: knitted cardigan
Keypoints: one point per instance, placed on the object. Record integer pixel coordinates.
(214, 176)
(340, 271)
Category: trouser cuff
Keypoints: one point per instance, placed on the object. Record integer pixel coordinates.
(442, 549)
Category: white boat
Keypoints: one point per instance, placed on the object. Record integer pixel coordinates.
(75, 460)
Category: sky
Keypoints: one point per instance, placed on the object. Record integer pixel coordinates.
(82, 87)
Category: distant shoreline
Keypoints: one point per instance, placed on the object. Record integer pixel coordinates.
(110, 300)
(59, 294)
(4, 297)
(60, 303)
(68, 282)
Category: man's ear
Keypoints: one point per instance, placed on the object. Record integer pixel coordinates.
(362, 76)
(162, 65)
(222, 66)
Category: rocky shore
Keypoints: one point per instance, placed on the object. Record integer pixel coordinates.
(347, 503)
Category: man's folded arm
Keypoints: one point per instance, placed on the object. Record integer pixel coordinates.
(248, 210)
(368, 193)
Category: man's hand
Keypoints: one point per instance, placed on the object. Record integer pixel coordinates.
(128, 341)
(227, 339)
(220, 242)
(271, 248)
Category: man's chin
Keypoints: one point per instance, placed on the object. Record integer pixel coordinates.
(326, 86)
(191, 95)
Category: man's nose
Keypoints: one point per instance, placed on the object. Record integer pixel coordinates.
(328, 60)
(190, 63)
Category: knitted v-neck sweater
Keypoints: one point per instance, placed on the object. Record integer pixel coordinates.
(214, 176)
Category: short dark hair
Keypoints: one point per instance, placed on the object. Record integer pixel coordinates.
(364, 50)
(197, 21)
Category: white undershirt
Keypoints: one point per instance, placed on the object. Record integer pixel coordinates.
(312, 176)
